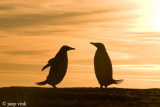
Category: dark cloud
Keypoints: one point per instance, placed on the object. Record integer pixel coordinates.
(35, 19)
(3, 7)
(53, 18)
(42, 32)
(12, 67)
(3, 46)
(27, 52)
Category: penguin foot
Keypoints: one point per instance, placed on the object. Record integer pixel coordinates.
(54, 86)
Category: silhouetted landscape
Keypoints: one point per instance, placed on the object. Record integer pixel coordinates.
(81, 97)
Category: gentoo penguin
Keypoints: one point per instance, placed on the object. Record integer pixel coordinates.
(103, 66)
(58, 67)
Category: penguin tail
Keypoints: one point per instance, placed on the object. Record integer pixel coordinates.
(118, 81)
(42, 83)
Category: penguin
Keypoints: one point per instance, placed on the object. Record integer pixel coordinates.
(58, 67)
(103, 66)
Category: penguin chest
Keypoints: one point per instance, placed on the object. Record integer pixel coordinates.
(62, 67)
(58, 70)
(103, 68)
(63, 64)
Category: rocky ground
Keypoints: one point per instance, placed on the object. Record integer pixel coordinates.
(78, 97)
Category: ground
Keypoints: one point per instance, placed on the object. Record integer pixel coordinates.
(78, 97)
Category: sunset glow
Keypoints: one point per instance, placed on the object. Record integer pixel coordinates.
(32, 32)
(149, 15)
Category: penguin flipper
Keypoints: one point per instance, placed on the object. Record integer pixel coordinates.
(51, 60)
(45, 66)
(42, 83)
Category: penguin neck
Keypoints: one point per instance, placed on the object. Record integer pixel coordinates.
(61, 53)
(102, 50)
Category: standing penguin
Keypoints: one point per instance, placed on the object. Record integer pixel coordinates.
(58, 67)
(103, 66)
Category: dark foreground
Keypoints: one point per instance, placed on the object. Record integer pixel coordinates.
(79, 97)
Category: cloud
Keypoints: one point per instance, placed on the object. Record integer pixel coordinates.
(53, 19)
(3, 7)
(3, 46)
(12, 67)
(49, 12)
(25, 52)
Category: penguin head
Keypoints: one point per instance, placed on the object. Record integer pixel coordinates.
(67, 48)
(99, 45)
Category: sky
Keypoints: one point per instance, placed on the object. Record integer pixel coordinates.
(32, 32)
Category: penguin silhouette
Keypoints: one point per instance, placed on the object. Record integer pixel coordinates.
(103, 66)
(58, 67)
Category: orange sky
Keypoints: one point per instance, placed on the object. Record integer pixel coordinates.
(31, 32)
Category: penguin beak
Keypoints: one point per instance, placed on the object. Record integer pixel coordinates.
(72, 48)
(93, 43)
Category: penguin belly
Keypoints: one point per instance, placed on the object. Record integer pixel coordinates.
(58, 71)
(102, 71)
